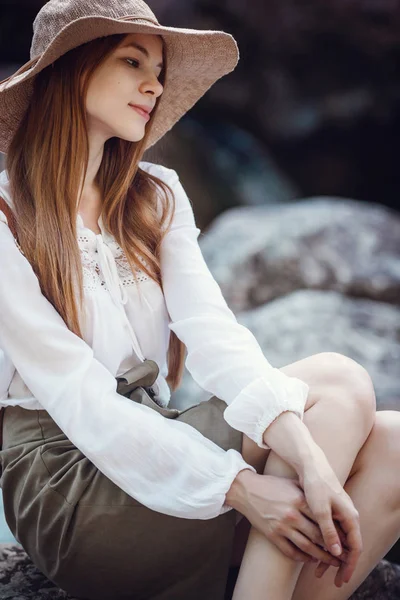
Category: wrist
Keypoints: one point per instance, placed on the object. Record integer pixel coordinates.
(236, 496)
(289, 437)
(308, 462)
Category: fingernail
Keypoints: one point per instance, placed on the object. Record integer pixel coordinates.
(336, 550)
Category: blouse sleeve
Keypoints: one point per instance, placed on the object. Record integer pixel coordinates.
(165, 464)
(223, 356)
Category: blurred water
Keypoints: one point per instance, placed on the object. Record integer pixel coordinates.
(5, 533)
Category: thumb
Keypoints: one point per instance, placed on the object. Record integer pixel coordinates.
(329, 533)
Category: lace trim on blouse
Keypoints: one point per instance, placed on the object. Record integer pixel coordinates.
(93, 278)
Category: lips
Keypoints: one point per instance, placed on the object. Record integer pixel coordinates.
(141, 111)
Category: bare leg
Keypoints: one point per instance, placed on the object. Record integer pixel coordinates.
(265, 572)
(375, 489)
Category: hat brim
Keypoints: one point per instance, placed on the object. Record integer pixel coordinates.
(196, 60)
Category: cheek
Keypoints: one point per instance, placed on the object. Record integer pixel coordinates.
(107, 102)
(108, 93)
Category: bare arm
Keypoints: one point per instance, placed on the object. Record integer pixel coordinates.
(289, 437)
(291, 440)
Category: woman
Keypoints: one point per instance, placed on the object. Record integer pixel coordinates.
(104, 289)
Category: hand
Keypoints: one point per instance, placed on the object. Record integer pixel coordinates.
(329, 502)
(323, 567)
(277, 507)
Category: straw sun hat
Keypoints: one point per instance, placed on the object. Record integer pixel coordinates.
(196, 58)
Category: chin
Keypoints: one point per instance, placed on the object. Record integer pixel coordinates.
(137, 137)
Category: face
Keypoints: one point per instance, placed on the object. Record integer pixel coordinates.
(127, 77)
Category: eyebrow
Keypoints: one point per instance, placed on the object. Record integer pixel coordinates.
(142, 50)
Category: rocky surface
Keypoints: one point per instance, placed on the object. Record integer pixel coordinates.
(21, 580)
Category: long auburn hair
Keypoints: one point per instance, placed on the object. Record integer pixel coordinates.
(44, 179)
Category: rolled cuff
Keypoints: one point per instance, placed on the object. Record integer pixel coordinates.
(262, 401)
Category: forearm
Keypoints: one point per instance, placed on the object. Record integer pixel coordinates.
(289, 437)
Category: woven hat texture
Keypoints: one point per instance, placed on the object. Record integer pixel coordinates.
(196, 58)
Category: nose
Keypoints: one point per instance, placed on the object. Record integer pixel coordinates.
(153, 85)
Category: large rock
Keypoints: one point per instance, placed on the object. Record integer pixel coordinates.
(311, 276)
(258, 254)
(306, 322)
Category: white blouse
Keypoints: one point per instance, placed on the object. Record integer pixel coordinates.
(165, 464)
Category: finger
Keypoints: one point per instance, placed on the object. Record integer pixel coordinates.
(313, 532)
(329, 533)
(308, 513)
(321, 569)
(310, 530)
(308, 547)
(343, 541)
(343, 557)
(290, 550)
(351, 526)
(339, 577)
(347, 567)
(342, 535)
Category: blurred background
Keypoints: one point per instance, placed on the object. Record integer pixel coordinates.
(299, 208)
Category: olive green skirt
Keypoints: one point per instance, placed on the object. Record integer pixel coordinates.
(91, 538)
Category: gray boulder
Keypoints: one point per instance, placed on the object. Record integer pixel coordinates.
(311, 276)
(260, 253)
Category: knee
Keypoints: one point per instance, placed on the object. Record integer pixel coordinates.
(355, 384)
